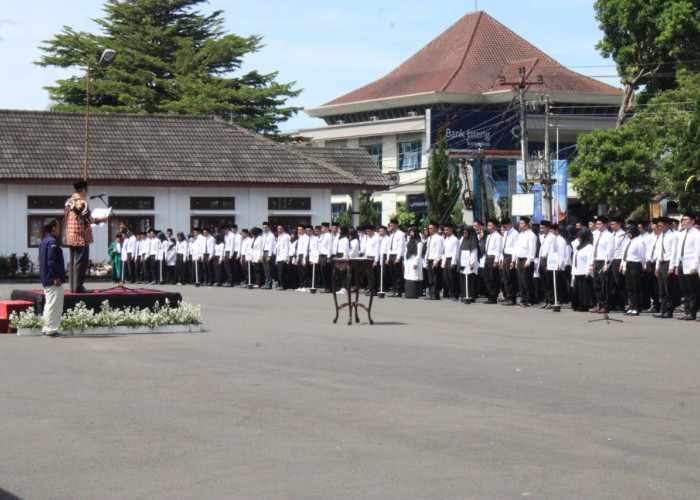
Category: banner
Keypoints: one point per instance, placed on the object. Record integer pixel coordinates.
(559, 192)
(473, 130)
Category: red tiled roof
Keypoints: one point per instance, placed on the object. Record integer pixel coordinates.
(468, 58)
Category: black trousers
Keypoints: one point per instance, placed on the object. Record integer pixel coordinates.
(633, 283)
(618, 293)
(600, 284)
(491, 278)
(207, 274)
(434, 279)
(301, 274)
(546, 281)
(326, 270)
(689, 289)
(79, 257)
(129, 269)
(180, 268)
(667, 288)
(525, 284)
(450, 280)
(282, 273)
(581, 298)
(650, 287)
(509, 277)
(396, 270)
(228, 267)
(267, 268)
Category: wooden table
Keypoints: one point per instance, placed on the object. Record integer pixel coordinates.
(353, 268)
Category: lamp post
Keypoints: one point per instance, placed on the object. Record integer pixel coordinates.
(106, 59)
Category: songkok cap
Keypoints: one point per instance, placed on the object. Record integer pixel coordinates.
(665, 220)
(526, 220)
(325, 224)
(655, 220)
(555, 226)
(394, 221)
(545, 223)
(449, 224)
(617, 219)
(369, 225)
(602, 219)
(505, 220)
(80, 185)
(690, 215)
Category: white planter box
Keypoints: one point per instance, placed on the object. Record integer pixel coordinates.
(28, 332)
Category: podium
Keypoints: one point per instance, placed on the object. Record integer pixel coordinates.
(353, 269)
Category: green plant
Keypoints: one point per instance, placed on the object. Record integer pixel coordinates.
(5, 267)
(343, 218)
(24, 263)
(26, 319)
(406, 219)
(13, 264)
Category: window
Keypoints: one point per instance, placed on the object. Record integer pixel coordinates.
(35, 229)
(375, 151)
(290, 222)
(288, 204)
(336, 208)
(212, 222)
(410, 154)
(132, 202)
(136, 223)
(46, 202)
(212, 203)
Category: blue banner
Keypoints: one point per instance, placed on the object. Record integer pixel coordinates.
(473, 130)
(559, 192)
(416, 203)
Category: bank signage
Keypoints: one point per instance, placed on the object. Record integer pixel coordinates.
(494, 131)
(416, 203)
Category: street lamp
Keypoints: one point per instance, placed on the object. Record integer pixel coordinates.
(106, 59)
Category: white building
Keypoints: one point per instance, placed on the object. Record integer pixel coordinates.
(461, 72)
(163, 171)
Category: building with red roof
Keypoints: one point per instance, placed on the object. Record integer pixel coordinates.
(463, 79)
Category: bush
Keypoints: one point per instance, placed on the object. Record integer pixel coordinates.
(5, 267)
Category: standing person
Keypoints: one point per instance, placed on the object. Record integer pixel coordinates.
(384, 256)
(115, 253)
(509, 275)
(53, 275)
(208, 257)
(354, 240)
(243, 257)
(632, 267)
(493, 249)
(546, 278)
(688, 252)
(219, 260)
(268, 256)
(302, 255)
(372, 243)
(397, 248)
(292, 275)
(130, 253)
(79, 235)
(343, 252)
(236, 272)
(525, 252)
(581, 270)
(282, 256)
(257, 257)
(450, 263)
(653, 284)
(170, 261)
(617, 292)
(181, 258)
(469, 244)
(228, 254)
(562, 250)
(435, 249)
(602, 251)
(153, 246)
(413, 264)
(325, 241)
(197, 248)
(665, 271)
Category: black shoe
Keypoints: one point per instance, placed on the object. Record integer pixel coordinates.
(663, 315)
(509, 303)
(651, 310)
(491, 302)
(545, 306)
(688, 317)
(52, 334)
(524, 304)
(83, 290)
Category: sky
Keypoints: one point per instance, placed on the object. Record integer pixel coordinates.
(328, 48)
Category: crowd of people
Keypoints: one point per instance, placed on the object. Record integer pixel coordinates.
(610, 265)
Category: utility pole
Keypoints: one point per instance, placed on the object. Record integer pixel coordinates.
(521, 84)
(547, 181)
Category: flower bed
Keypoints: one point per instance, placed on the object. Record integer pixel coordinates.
(109, 321)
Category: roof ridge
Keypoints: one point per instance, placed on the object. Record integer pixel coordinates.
(466, 51)
(322, 163)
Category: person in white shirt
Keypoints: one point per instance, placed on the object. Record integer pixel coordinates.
(198, 249)
(650, 291)
(325, 241)
(665, 271)
(243, 258)
(302, 256)
(688, 255)
(384, 256)
(236, 271)
(546, 277)
(450, 264)
(492, 252)
(469, 256)
(581, 271)
(618, 293)
(282, 257)
(632, 266)
(602, 250)
(435, 249)
(268, 256)
(562, 249)
(413, 264)
(181, 258)
(525, 253)
(507, 262)
(228, 254)
(208, 258)
(397, 248)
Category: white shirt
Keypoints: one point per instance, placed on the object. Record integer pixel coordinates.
(237, 242)
(435, 248)
(302, 247)
(343, 247)
(526, 245)
(198, 247)
(268, 242)
(619, 244)
(354, 248)
(397, 243)
(450, 249)
(603, 246)
(325, 241)
(209, 245)
(494, 244)
(384, 245)
(372, 247)
(509, 240)
(130, 245)
(245, 247)
(282, 247)
(182, 248)
(666, 249)
(635, 251)
(547, 245)
(688, 249)
(228, 242)
(651, 245)
(582, 261)
(153, 245)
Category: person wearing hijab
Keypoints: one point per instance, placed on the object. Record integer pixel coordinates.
(413, 264)
(581, 269)
(469, 257)
(631, 267)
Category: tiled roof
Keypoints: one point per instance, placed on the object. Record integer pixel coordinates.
(353, 160)
(160, 148)
(468, 58)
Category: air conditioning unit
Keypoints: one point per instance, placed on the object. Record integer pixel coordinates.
(412, 113)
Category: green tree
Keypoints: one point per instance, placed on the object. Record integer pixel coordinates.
(612, 168)
(441, 191)
(344, 218)
(406, 219)
(367, 211)
(687, 167)
(170, 59)
(650, 41)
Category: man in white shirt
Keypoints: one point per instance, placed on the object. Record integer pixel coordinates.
(525, 253)
(302, 257)
(546, 278)
(198, 249)
(268, 257)
(507, 262)
(650, 296)
(602, 250)
(207, 277)
(243, 257)
(384, 256)
(492, 253)
(325, 244)
(397, 249)
(153, 245)
(688, 255)
(235, 255)
(228, 254)
(281, 257)
(372, 251)
(450, 264)
(618, 292)
(435, 249)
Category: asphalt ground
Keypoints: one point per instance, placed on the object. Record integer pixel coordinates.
(435, 400)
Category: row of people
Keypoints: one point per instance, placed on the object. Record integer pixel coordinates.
(607, 266)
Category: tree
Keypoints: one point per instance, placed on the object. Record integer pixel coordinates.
(441, 190)
(367, 211)
(344, 218)
(650, 42)
(612, 168)
(170, 59)
(406, 219)
(687, 167)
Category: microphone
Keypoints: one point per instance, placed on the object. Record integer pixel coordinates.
(98, 196)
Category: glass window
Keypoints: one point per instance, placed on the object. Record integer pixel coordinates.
(410, 154)
(375, 151)
(290, 222)
(136, 223)
(336, 208)
(287, 203)
(35, 229)
(212, 222)
(132, 202)
(46, 202)
(212, 203)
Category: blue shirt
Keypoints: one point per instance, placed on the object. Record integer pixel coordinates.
(51, 261)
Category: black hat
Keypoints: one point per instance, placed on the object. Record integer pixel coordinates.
(555, 226)
(506, 220)
(325, 224)
(80, 185)
(434, 223)
(690, 215)
(602, 219)
(369, 225)
(525, 219)
(449, 224)
(545, 223)
(655, 220)
(665, 220)
(394, 221)
(617, 219)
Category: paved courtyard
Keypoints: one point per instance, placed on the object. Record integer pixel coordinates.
(436, 400)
